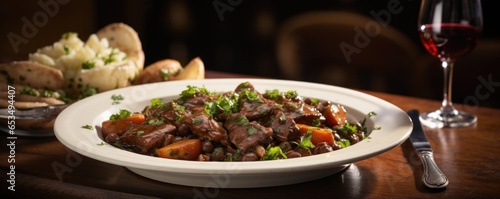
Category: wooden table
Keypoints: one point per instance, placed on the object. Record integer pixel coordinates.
(469, 156)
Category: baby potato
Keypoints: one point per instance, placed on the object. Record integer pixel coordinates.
(170, 69)
(159, 71)
(195, 69)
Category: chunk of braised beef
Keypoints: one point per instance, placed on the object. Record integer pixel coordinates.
(257, 110)
(112, 137)
(253, 105)
(251, 156)
(244, 86)
(145, 138)
(233, 155)
(171, 113)
(284, 128)
(197, 100)
(234, 120)
(244, 134)
(322, 147)
(218, 154)
(169, 139)
(206, 127)
(302, 113)
(318, 104)
(303, 151)
(285, 146)
(353, 138)
(292, 154)
(336, 146)
(221, 115)
(276, 97)
(354, 135)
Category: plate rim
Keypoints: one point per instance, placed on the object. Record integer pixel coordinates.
(247, 167)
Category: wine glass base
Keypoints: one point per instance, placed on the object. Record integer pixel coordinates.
(440, 119)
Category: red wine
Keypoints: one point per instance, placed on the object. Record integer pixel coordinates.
(449, 41)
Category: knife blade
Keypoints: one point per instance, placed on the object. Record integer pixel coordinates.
(432, 177)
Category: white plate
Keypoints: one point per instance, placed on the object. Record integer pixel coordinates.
(395, 128)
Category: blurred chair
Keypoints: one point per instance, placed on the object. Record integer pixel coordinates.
(309, 49)
(469, 76)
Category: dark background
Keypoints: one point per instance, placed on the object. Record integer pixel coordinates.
(245, 41)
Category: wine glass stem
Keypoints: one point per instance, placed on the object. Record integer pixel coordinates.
(447, 105)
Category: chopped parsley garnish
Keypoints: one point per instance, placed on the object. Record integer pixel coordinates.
(316, 122)
(251, 130)
(344, 143)
(116, 99)
(174, 153)
(120, 115)
(66, 35)
(228, 104)
(89, 127)
(235, 156)
(110, 58)
(348, 128)
(223, 104)
(179, 112)
(88, 91)
(155, 122)
(29, 91)
(249, 96)
(88, 64)
(273, 153)
(305, 141)
(211, 108)
(363, 122)
(139, 133)
(291, 94)
(197, 120)
(372, 113)
(273, 94)
(314, 101)
(276, 94)
(101, 144)
(155, 102)
(50, 94)
(190, 92)
(66, 49)
(166, 74)
(240, 120)
(282, 119)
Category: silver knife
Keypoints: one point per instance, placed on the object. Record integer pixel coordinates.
(433, 177)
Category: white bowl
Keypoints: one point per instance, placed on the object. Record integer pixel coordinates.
(394, 123)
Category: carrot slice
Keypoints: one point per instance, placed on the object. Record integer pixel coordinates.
(119, 126)
(318, 134)
(335, 115)
(183, 150)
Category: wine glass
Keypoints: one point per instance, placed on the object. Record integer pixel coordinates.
(449, 29)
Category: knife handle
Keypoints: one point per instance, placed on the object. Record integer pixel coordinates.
(433, 177)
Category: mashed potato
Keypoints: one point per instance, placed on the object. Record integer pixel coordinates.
(90, 64)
